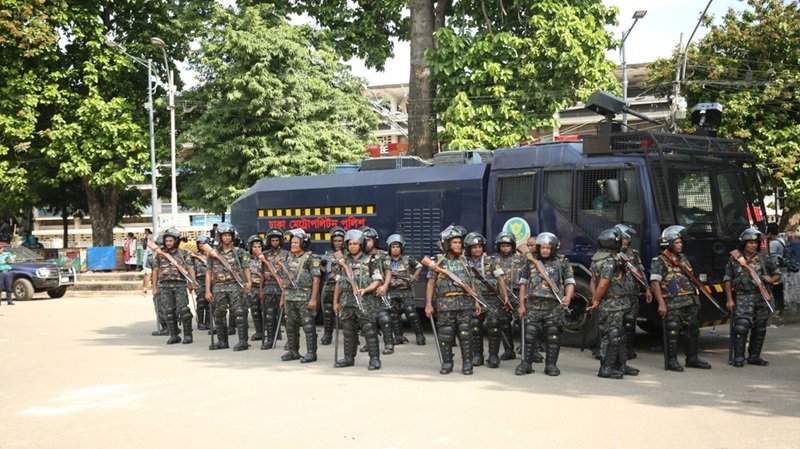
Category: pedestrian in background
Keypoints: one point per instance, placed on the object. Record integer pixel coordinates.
(129, 252)
(6, 278)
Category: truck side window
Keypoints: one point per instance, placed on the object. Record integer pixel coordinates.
(516, 192)
(558, 189)
(593, 199)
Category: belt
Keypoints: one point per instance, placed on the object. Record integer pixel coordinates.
(455, 294)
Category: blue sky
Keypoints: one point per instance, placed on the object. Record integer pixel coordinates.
(654, 36)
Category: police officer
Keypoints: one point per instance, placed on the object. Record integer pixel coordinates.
(331, 270)
(148, 264)
(300, 297)
(677, 299)
(495, 317)
(255, 297)
(751, 309)
(405, 270)
(615, 287)
(511, 263)
(629, 317)
(352, 302)
(454, 306)
(272, 290)
(170, 286)
(203, 315)
(224, 291)
(380, 308)
(539, 306)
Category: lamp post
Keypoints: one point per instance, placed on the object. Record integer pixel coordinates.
(158, 43)
(636, 16)
(149, 106)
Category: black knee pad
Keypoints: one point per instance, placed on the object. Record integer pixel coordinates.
(240, 315)
(476, 325)
(370, 330)
(531, 332)
(614, 336)
(348, 327)
(383, 318)
(185, 313)
(741, 326)
(202, 303)
(410, 310)
(629, 321)
(308, 324)
(269, 313)
(463, 330)
(553, 334)
(447, 333)
(673, 328)
(170, 314)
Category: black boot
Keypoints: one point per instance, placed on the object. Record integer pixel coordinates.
(464, 340)
(201, 317)
(691, 348)
(350, 345)
(172, 326)
(231, 324)
(757, 337)
(476, 340)
(258, 324)
(508, 343)
(629, 322)
(241, 329)
(328, 322)
(494, 347)
(385, 321)
(397, 327)
(416, 324)
(293, 341)
(741, 327)
(269, 329)
(373, 347)
(310, 330)
(622, 358)
(446, 339)
(162, 330)
(222, 336)
(553, 348)
(525, 366)
(673, 334)
(186, 319)
(608, 369)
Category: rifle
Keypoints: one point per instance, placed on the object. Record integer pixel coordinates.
(428, 262)
(271, 269)
(288, 273)
(277, 330)
(634, 270)
(198, 257)
(436, 339)
(539, 267)
(488, 285)
(702, 287)
(349, 273)
(739, 257)
(206, 248)
(156, 249)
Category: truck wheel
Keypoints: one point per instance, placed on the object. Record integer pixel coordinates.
(57, 293)
(579, 324)
(23, 289)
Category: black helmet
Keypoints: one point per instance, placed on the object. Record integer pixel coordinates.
(505, 237)
(254, 238)
(627, 231)
(447, 235)
(274, 232)
(396, 238)
(749, 235)
(610, 239)
(672, 233)
(201, 239)
(474, 238)
(226, 228)
(160, 240)
(547, 239)
(371, 233)
(355, 234)
(305, 240)
(173, 232)
(462, 231)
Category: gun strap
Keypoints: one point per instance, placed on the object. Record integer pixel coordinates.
(180, 268)
(739, 257)
(540, 267)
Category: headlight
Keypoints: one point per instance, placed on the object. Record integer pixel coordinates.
(42, 272)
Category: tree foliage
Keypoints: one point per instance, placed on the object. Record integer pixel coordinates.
(750, 63)
(274, 101)
(504, 69)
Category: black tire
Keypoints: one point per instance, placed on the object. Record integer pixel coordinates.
(57, 293)
(579, 324)
(23, 289)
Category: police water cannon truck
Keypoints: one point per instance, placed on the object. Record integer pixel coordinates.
(575, 189)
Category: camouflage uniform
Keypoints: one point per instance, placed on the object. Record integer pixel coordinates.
(454, 310)
(366, 269)
(332, 269)
(253, 297)
(272, 296)
(493, 319)
(149, 263)
(379, 309)
(543, 311)
(229, 295)
(680, 296)
(203, 316)
(514, 267)
(752, 311)
(303, 267)
(173, 298)
(401, 297)
(632, 311)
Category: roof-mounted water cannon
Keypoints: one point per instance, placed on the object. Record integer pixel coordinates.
(608, 106)
(705, 116)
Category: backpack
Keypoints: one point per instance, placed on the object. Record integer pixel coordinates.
(788, 259)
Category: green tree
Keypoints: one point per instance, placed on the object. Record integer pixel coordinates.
(504, 71)
(274, 100)
(749, 63)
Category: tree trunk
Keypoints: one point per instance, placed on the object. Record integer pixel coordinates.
(103, 211)
(65, 225)
(421, 118)
(790, 220)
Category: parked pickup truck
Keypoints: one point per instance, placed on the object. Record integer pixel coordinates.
(32, 275)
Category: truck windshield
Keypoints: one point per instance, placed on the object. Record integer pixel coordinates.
(719, 203)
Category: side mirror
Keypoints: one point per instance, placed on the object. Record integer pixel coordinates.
(616, 191)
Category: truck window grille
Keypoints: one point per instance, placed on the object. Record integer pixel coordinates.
(515, 193)
(421, 227)
(558, 189)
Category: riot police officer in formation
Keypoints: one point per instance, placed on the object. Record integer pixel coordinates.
(203, 315)
(405, 270)
(512, 264)
(751, 309)
(629, 317)
(331, 270)
(546, 289)
(275, 254)
(255, 297)
(381, 309)
(300, 297)
(677, 299)
(170, 286)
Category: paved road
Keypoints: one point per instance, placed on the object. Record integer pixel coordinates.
(83, 372)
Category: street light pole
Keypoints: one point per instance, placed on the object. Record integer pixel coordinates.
(636, 16)
(171, 87)
(149, 106)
